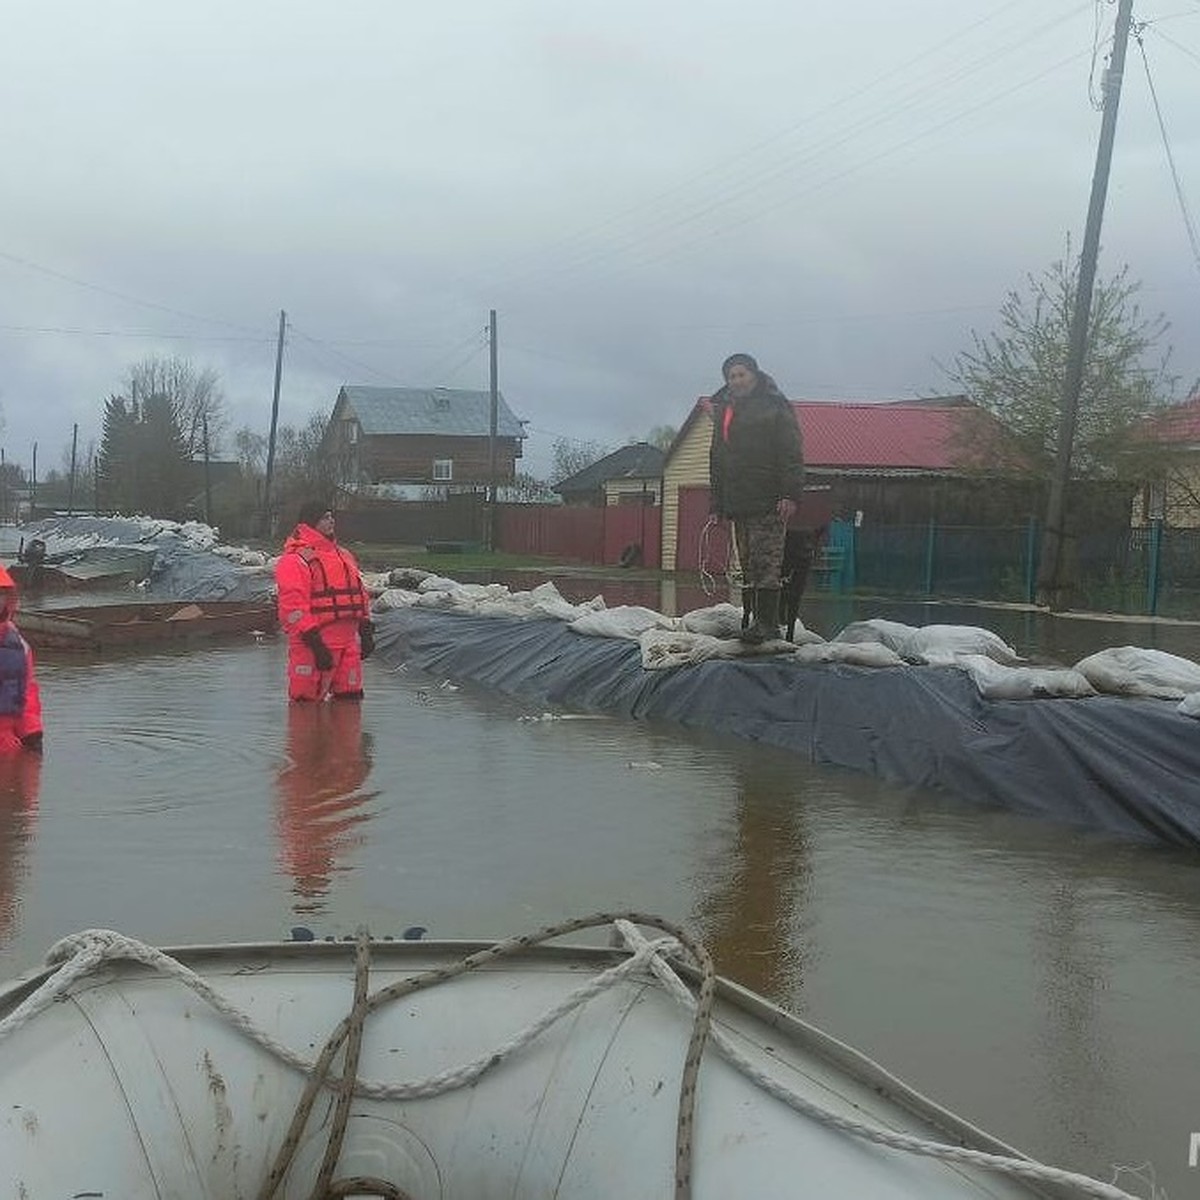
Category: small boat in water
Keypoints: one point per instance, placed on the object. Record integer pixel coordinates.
(102, 627)
(451, 1070)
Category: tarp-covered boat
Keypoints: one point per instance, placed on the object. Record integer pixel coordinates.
(519, 1069)
(112, 626)
(92, 569)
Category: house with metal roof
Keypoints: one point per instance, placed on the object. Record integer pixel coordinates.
(896, 463)
(1174, 498)
(420, 443)
(630, 475)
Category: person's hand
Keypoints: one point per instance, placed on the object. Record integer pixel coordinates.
(321, 655)
(366, 638)
(33, 741)
(786, 508)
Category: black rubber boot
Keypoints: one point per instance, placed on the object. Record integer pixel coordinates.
(751, 634)
(766, 615)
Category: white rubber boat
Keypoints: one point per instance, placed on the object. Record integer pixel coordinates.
(522, 1070)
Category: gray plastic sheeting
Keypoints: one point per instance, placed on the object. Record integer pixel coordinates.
(1124, 766)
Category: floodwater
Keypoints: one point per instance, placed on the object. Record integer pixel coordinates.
(1042, 982)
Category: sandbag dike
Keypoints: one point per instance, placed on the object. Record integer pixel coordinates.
(1123, 766)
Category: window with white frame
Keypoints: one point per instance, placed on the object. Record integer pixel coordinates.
(443, 470)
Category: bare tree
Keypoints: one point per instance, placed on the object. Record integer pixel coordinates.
(571, 457)
(194, 396)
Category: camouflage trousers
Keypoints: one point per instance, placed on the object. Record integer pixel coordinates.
(759, 549)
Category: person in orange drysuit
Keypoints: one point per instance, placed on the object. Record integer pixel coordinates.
(20, 701)
(323, 609)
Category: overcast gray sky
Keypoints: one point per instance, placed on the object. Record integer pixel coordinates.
(638, 187)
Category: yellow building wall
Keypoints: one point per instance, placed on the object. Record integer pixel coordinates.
(686, 466)
(614, 489)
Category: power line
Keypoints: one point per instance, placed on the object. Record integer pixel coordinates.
(1178, 45)
(1183, 208)
(128, 299)
(133, 333)
(747, 183)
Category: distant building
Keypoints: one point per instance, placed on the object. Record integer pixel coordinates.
(895, 463)
(631, 475)
(419, 443)
(1175, 498)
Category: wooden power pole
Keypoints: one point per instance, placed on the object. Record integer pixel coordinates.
(1053, 584)
(266, 499)
(492, 428)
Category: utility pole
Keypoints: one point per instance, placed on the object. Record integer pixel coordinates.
(266, 501)
(33, 483)
(71, 486)
(207, 472)
(1052, 582)
(492, 424)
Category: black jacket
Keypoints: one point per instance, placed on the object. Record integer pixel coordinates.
(757, 454)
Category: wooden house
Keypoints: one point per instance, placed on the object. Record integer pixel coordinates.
(630, 475)
(419, 443)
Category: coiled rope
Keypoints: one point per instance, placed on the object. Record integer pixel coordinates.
(733, 570)
(82, 953)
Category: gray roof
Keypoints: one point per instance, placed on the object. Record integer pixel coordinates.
(382, 410)
(639, 460)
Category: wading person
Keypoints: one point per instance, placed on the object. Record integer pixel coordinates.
(324, 610)
(20, 700)
(756, 475)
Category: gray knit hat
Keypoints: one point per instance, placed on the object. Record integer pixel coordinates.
(738, 360)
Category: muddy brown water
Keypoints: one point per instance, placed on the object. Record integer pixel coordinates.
(1042, 982)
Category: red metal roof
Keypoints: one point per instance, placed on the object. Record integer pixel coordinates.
(1178, 424)
(879, 436)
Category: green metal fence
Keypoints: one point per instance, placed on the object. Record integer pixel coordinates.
(1147, 570)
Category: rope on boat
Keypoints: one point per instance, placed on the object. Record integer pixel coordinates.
(733, 570)
(82, 953)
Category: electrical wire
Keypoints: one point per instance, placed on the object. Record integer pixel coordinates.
(125, 296)
(1193, 241)
(788, 165)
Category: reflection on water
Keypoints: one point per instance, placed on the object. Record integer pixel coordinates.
(20, 780)
(759, 893)
(320, 798)
(1039, 981)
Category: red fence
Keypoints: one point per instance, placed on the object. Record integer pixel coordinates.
(615, 535)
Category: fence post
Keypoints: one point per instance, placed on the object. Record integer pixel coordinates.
(1031, 559)
(930, 539)
(1152, 567)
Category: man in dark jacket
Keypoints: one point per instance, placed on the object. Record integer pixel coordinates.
(756, 473)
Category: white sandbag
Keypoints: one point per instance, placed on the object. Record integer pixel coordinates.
(855, 654)
(940, 645)
(376, 582)
(1134, 671)
(666, 649)
(546, 600)
(408, 578)
(876, 631)
(437, 583)
(624, 621)
(1190, 705)
(395, 598)
(999, 682)
(719, 621)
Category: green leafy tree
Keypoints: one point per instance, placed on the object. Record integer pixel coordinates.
(1015, 377)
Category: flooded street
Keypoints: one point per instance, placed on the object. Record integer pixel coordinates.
(1041, 982)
